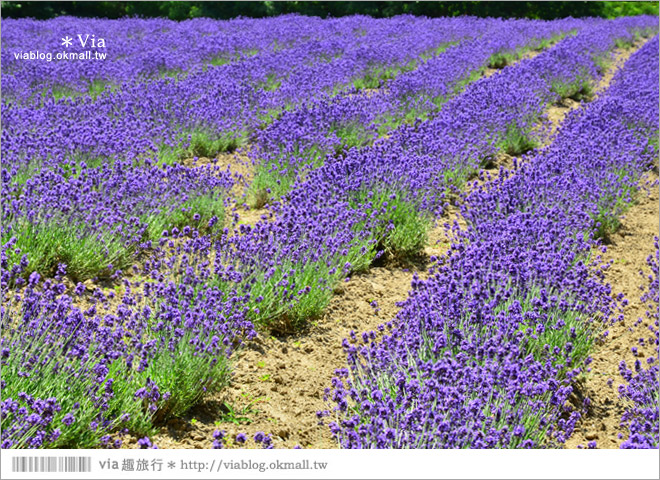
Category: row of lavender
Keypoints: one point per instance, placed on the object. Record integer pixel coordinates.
(117, 354)
(62, 155)
(226, 90)
(300, 270)
(166, 342)
(381, 198)
(642, 415)
(484, 352)
(100, 230)
(285, 268)
(134, 49)
(408, 176)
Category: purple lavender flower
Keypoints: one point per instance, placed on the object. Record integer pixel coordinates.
(144, 443)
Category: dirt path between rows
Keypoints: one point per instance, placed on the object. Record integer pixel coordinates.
(628, 250)
(557, 113)
(278, 383)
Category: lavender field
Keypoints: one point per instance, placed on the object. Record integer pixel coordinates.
(352, 232)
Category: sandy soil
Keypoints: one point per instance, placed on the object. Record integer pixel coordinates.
(238, 162)
(627, 250)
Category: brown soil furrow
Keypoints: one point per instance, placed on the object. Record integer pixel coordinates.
(629, 247)
(628, 250)
(241, 167)
(503, 163)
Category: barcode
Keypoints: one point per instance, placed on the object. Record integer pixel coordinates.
(51, 464)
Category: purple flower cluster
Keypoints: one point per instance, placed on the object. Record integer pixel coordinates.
(145, 442)
(482, 353)
(492, 114)
(101, 216)
(260, 438)
(373, 184)
(642, 417)
(139, 49)
(33, 424)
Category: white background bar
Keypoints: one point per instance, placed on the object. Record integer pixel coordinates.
(371, 464)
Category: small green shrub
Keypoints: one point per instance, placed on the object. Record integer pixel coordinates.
(434, 52)
(375, 77)
(285, 298)
(49, 243)
(268, 117)
(624, 43)
(456, 178)
(416, 109)
(401, 230)
(370, 80)
(195, 212)
(78, 387)
(275, 178)
(217, 61)
(186, 375)
(97, 87)
(270, 182)
(606, 220)
(26, 172)
(502, 59)
(316, 277)
(174, 73)
(200, 143)
(580, 88)
(353, 134)
(205, 144)
(560, 326)
(517, 140)
(271, 83)
(544, 43)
